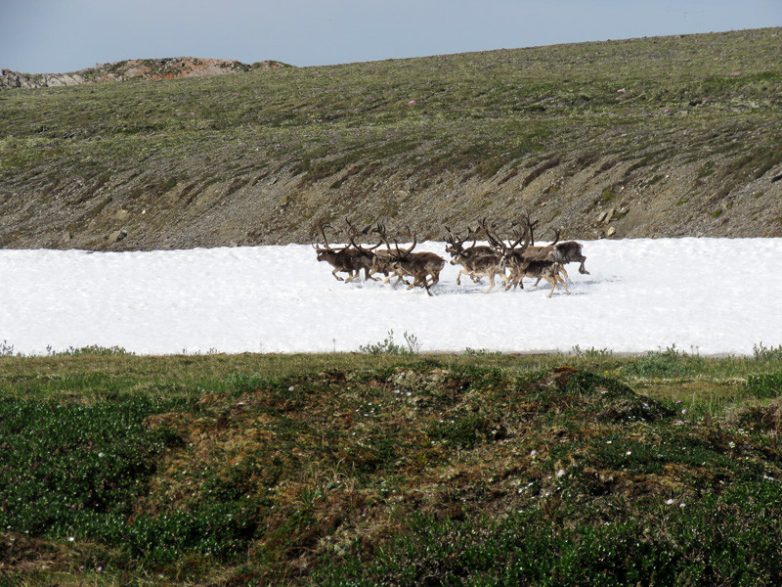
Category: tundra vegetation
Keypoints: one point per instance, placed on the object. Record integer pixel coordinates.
(663, 136)
(391, 468)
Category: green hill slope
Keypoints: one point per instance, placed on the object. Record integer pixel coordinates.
(645, 137)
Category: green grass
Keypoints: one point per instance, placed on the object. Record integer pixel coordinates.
(390, 469)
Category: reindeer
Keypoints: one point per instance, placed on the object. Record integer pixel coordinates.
(521, 266)
(476, 262)
(477, 266)
(470, 257)
(343, 260)
(365, 258)
(562, 253)
(420, 266)
(382, 262)
(548, 270)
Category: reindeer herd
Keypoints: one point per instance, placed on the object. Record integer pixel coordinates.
(511, 261)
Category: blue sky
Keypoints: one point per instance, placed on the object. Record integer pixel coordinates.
(64, 35)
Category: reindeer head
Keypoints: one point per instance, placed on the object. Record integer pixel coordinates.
(455, 244)
(510, 252)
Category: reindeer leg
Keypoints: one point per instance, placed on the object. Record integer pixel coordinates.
(581, 268)
(553, 283)
(337, 277)
(491, 283)
(427, 286)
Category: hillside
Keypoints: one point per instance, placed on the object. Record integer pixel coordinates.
(648, 137)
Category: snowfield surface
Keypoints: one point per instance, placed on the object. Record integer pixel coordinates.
(710, 295)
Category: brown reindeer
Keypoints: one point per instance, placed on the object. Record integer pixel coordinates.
(468, 257)
(382, 262)
(365, 257)
(477, 266)
(520, 265)
(521, 268)
(562, 253)
(344, 259)
(420, 266)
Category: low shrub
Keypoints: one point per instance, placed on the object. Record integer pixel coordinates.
(765, 385)
(670, 362)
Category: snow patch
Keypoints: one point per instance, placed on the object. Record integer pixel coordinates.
(711, 295)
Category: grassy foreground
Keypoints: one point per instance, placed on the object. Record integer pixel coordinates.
(353, 469)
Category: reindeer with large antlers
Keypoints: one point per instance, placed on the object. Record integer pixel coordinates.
(420, 266)
(382, 262)
(562, 253)
(366, 257)
(521, 266)
(476, 261)
(344, 259)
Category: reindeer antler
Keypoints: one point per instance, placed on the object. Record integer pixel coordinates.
(530, 224)
(322, 226)
(496, 242)
(519, 234)
(415, 240)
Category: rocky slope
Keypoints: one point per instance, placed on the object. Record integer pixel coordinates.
(666, 136)
(145, 69)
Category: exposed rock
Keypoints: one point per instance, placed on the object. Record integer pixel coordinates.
(611, 231)
(117, 236)
(148, 69)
